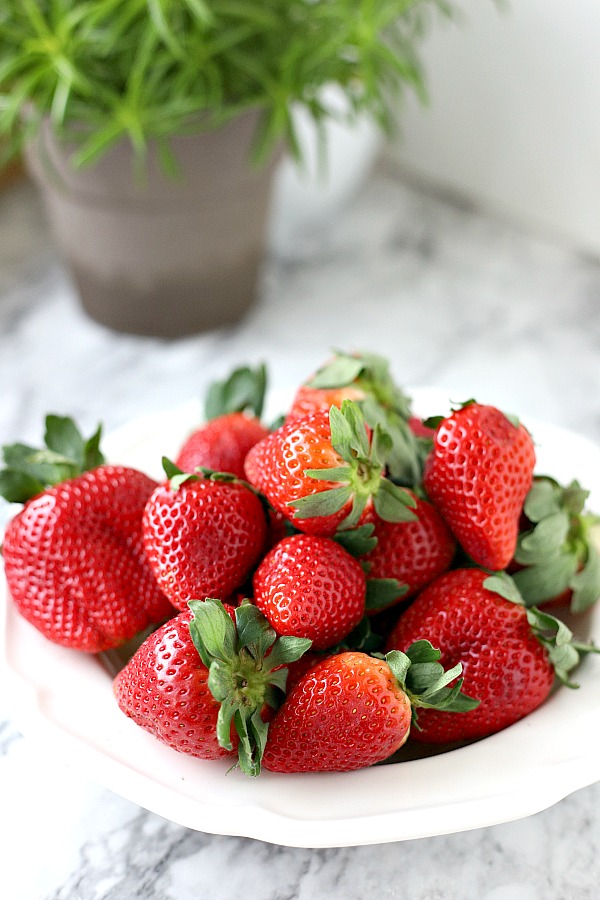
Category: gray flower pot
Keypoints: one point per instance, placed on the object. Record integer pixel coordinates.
(161, 257)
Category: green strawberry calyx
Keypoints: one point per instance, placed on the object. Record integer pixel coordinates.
(247, 670)
(367, 371)
(243, 391)
(560, 551)
(28, 471)
(564, 653)
(425, 681)
(361, 478)
(384, 403)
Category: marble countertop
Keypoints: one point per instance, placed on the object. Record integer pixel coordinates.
(454, 298)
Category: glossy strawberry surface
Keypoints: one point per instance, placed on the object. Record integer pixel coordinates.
(163, 688)
(309, 400)
(75, 563)
(504, 665)
(478, 475)
(345, 713)
(310, 587)
(277, 465)
(222, 444)
(203, 538)
(413, 552)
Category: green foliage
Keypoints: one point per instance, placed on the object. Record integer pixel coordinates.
(149, 69)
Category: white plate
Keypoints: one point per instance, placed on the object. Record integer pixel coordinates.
(64, 698)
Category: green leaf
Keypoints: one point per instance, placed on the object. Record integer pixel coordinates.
(18, 487)
(423, 652)
(544, 540)
(359, 441)
(64, 438)
(357, 541)
(243, 391)
(546, 580)
(226, 713)
(286, 650)
(574, 498)
(501, 583)
(383, 592)
(29, 470)
(557, 639)
(253, 630)
(323, 503)
(586, 583)
(426, 682)
(92, 456)
(212, 630)
(43, 467)
(399, 663)
(340, 474)
(542, 500)
(340, 372)
(342, 438)
(393, 504)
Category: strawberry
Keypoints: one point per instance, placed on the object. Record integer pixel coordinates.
(73, 556)
(412, 553)
(366, 379)
(233, 409)
(202, 535)
(322, 471)
(478, 475)
(510, 655)
(247, 672)
(352, 710)
(311, 587)
(557, 559)
(164, 689)
(309, 399)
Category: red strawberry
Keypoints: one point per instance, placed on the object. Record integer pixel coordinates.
(366, 379)
(413, 553)
(202, 536)
(420, 429)
(351, 710)
(233, 409)
(74, 557)
(478, 475)
(309, 400)
(221, 444)
(311, 587)
(509, 654)
(322, 471)
(164, 689)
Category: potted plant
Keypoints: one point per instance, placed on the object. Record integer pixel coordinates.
(152, 127)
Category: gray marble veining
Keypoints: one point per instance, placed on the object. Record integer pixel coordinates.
(455, 299)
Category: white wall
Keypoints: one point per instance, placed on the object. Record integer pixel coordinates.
(514, 114)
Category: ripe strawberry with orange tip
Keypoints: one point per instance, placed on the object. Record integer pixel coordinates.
(366, 379)
(74, 557)
(324, 470)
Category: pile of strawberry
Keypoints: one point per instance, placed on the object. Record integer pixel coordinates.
(310, 595)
